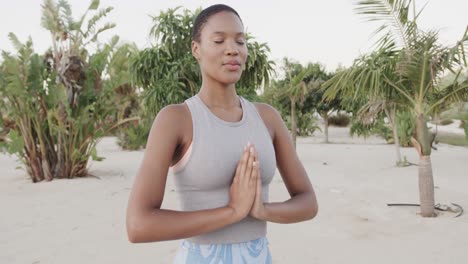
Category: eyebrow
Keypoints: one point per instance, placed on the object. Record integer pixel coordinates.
(224, 33)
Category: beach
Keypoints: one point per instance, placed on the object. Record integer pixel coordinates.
(83, 220)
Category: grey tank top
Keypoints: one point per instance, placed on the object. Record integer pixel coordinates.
(204, 181)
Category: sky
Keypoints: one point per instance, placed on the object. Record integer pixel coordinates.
(327, 31)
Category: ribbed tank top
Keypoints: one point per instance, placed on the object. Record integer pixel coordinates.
(204, 180)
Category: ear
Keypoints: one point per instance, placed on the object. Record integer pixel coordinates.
(196, 50)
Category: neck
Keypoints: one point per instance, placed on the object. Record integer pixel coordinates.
(218, 94)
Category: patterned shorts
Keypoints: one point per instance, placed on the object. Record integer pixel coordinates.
(250, 252)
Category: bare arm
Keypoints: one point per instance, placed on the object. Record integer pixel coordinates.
(303, 204)
(146, 221)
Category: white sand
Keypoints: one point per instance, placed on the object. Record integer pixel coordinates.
(83, 220)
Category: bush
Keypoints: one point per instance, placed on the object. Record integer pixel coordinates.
(406, 124)
(58, 105)
(339, 120)
(133, 136)
(377, 128)
(306, 125)
(52, 136)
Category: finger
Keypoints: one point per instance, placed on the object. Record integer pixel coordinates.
(256, 158)
(249, 167)
(253, 178)
(243, 162)
(239, 164)
(259, 182)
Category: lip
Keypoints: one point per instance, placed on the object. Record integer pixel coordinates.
(232, 65)
(232, 62)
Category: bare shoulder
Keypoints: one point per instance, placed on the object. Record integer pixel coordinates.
(270, 116)
(267, 110)
(173, 118)
(170, 114)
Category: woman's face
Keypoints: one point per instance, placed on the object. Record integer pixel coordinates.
(222, 50)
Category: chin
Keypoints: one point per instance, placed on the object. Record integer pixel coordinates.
(225, 78)
(230, 79)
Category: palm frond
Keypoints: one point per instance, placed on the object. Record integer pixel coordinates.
(50, 19)
(94, 5)
(15, 42)
(64, 9)
(457, 53)
(457, 91)
(107, 26)
(370, 110)
(395, 17)
(91, 29)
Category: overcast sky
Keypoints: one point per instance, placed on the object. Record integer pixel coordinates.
(327, 31)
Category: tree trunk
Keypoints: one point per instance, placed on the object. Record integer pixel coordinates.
(426, 180)
(422, 135)
(293, 122)
(392, 119)
(426, 187)
(325, 120)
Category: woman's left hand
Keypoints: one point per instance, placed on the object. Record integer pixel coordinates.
(258, 208)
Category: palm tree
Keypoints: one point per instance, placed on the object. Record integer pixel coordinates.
(365, 80)
(420, 63)
(70, 40)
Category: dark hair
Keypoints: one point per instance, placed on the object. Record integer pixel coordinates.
(205, 14)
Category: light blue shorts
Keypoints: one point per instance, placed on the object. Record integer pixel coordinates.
(250, 252)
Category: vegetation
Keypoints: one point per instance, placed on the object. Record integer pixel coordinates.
(56, 107)
(339, 120)
(412, 63)
(297, 95)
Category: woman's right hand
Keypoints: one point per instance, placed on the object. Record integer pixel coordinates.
(243, 187)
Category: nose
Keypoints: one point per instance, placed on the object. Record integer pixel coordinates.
(231, 48)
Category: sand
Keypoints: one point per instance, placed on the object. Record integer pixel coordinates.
(83, 220)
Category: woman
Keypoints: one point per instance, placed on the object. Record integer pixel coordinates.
(223, 151)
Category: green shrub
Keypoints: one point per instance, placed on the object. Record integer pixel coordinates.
(59, 104)
(306, 124)
(405, 128)
(378, 128)
(133, 136)
(339, 120)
